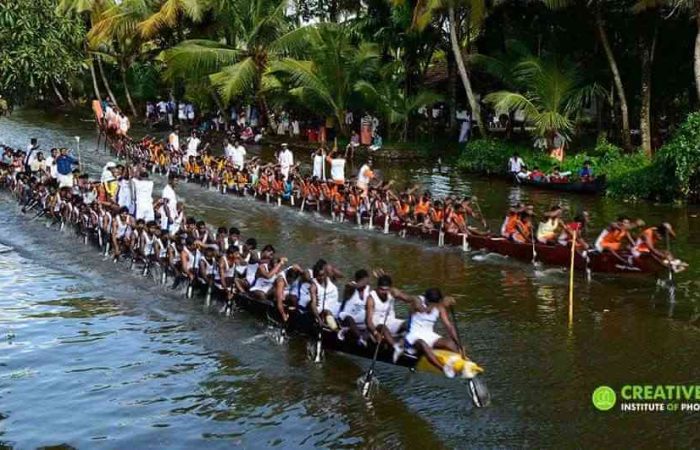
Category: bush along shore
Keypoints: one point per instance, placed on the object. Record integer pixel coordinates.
(672, 174)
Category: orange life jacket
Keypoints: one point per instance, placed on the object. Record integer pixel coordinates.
(422, 207)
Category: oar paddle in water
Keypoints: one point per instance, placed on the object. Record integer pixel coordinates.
(368, 380)
(318, 354)
(478, 210)
(477, 388)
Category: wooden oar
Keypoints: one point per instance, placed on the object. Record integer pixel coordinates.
(319, 346)
(534, 250)
(454, 324)
(369, 379)
(477, 388)
(478, 210)
(670, 266)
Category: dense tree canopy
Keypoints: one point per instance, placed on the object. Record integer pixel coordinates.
(628, 69)
(40, 51)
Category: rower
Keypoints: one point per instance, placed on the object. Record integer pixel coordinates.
(323, 295)
(578, 226)
(268, 272)
(647, 242)
(364, 176)
(380, 314)
(422, 208)
(221, 240)
(188, 258)
(548, 231)
(207, 267)
(509, 226)
(226, 272)
(523, 227)
(425, 311)
(614, 236)
(285, 282)
(353, 310)
(122, 226)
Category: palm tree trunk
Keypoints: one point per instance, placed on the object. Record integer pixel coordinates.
(57, 92)
(619, 88)
(122, 69)
(457, 51)
(696, 64)
(105, 82)
(645, 112)
(95, 86)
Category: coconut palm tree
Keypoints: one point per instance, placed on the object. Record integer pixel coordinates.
(600, 8)
(90, 10)
(474, 12)
(236, 66)
(171, 14)
(550, 93)
(117, 36)
(325, 74)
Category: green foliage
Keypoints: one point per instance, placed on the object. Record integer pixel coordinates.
(678, 162)
(550, 93)
(37, 47)
(630, 176)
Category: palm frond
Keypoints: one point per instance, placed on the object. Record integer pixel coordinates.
(236, 80)
(302, 74)
(198, 58)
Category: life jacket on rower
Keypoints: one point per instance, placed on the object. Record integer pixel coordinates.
(611, 239)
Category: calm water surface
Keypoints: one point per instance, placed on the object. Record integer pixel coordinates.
(94, 356)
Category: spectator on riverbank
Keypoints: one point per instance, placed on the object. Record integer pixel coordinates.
(377, 142)
(515, 164)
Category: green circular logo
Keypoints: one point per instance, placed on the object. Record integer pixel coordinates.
(604, 398)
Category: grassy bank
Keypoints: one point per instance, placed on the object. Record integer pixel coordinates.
(672, 174)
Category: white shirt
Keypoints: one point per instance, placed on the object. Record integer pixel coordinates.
(143, 193)
(192, 146)
(124, 124)
(169, 193)
(238, 154)
(318, 166)
(515, 164)
(338, 169)
(51, 164)
(174, 140)
(362, 178)
(286, 158)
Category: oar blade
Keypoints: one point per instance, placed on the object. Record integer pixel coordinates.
(479, 393)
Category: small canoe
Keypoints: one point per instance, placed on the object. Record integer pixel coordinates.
(596, 186)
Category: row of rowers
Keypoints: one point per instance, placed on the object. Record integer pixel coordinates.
(224, 262)
(619, 237)
(368, 197)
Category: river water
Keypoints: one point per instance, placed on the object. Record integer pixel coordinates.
(94, 356)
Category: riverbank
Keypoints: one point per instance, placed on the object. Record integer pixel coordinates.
(226, 369)
(672, 174)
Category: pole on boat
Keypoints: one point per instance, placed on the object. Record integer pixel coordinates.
(571, 280)
(534, 250)
(368, 380)
(77, 141)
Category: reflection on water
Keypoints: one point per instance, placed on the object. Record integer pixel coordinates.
(136, 365)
